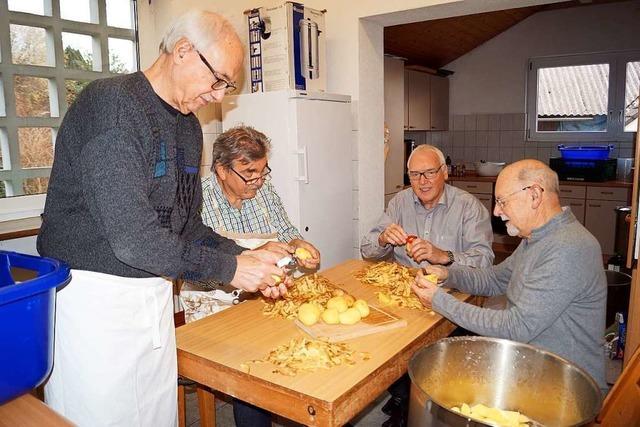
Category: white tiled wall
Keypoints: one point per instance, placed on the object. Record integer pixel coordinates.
(495, 137)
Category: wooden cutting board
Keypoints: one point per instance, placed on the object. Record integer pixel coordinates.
(378, 320)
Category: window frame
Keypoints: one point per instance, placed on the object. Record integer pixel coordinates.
(18, 205)
(615, 103)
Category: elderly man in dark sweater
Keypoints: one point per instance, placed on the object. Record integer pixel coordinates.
(123, 211)
(554, 281)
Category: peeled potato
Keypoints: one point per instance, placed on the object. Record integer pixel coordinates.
(277, 279)
(350, 300)
(384, 299)
(302, 253)
(362, 306)
(309, 314)
(339, 303)
(330, 316)
(432, 278)
(349, 317)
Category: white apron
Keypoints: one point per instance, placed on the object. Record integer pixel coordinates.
(115, 352)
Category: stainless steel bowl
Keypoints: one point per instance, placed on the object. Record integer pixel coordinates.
(498, 373)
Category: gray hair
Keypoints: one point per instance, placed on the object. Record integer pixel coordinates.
(242, 143)
(426, 147)
(201, 28)
(540, 174)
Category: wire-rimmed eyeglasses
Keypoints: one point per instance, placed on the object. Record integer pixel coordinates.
(428, 174)
(502, 201)
(221, 82)
(266, 176)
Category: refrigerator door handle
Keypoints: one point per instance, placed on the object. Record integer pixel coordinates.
(302, 163)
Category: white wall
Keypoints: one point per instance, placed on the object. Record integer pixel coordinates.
(354, 62)
(492, 78)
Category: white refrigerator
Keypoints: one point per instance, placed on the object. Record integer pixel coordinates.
(311, 140)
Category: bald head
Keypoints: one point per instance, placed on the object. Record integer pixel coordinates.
(530, 171)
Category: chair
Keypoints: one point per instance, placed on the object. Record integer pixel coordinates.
(621, 407)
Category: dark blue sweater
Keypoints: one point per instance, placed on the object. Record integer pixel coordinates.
(124, 194)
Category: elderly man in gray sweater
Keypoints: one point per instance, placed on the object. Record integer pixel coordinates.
(554, 281)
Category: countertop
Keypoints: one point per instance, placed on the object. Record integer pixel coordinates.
(27, 411)
(476, 178)
(19, 228)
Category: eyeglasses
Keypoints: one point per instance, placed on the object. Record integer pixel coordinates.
(265, 176)
(220, 82)
(428, 174)
(502, 201)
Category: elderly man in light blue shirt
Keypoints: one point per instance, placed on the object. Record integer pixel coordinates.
(450, 225)
(429, 223)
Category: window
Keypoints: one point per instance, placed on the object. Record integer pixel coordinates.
(583, 97)
(56, 47)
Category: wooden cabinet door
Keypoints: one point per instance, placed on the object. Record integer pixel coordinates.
(439, 94)
(486, 200)
(393, 104)
(406, 100)
(576, 205)
(600, 220)
(419, 108)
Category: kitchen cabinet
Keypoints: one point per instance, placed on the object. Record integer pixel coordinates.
(600, 215)
(426, 101)
(393, 110)
(482, 190)
(573, 196)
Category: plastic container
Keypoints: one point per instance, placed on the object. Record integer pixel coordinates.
(580, 152)
(26, 321)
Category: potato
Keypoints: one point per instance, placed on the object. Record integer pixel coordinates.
(309, 314)
(349, 317)
(277, 279)
(302, 253)
(339, 303)
(384, 299)
(330, 316)
(350, 300)
(362, 306)
(432, 278)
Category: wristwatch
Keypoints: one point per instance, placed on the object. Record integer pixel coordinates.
(451, 259)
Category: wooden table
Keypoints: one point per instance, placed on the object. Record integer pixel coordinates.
(27, 411)
(211, 350)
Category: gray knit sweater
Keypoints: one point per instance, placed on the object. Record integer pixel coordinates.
(556, 295)
(124, 193)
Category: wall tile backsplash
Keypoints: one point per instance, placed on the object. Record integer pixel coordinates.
(497, 137)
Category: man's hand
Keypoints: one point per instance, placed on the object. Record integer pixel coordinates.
(424, 288)
(424, 250)
(279, 290)
(258, 272)
(392, 235)
(310, 263)
(280, 248)
(442, 273)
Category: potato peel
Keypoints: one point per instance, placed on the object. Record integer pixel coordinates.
(394, 281)
(301, 355)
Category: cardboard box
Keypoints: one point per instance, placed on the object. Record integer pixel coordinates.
(287, 48)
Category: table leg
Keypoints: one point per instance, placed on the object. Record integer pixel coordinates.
(182, 416)
(207, 406)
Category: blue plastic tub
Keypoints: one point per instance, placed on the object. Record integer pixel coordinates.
(26, 321)
(585, 152)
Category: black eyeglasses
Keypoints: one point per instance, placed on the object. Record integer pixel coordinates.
(220, 82)
(428, 174)
(265, 176)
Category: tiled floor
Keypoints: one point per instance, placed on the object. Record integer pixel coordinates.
(370, 417)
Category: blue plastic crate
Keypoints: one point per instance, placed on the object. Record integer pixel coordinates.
(585, 152)
(26, 321)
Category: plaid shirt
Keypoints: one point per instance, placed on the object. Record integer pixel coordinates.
(262, 214)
